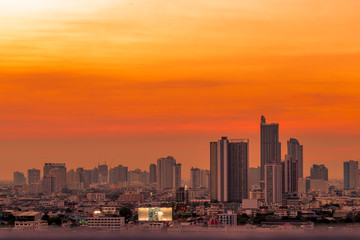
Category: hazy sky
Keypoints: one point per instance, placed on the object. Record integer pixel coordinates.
(125, 81)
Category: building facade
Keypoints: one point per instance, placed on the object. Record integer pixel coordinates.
(351, 175)
(319, 172)
(270, 147)
(33, 176)
(273, 183)
(231, 170)
(152, 170)
(295, 150)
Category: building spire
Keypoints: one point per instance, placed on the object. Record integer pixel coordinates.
(263, 121)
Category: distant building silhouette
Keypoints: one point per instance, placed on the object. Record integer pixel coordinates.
(19, 178)
(270, 147)
(177, 176)
(103, 174)
(273, 183)
(195, 177)
(295, 151)
(254, 176)
(56, 172)
(168, 173)
(351, 175)
(319, 172)
(290, 172)
(152, 170)
(33, 176)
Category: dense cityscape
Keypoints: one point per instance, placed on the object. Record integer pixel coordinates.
(230, 197)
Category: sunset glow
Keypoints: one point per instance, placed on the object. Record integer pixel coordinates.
(99, 80)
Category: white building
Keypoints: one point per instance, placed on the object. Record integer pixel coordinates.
(25, 220)
(273, 183)
(106, 223)
(229, 218)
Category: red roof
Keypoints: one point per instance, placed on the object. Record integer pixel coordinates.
(213, 221)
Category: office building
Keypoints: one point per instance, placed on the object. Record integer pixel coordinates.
(195, 177)
(58, 179)
(254, 177)
(105, 222)
(273, 183)
(119, 175)
(295, 151)
(319, 172)
(351, 175)
(103, 174)
(290, 175)
(33, 176)
(95, 175)
(19, 178)
(204, 179)
(230, 170)
(270, 147)
(152, 170)
(165, 173)
(58, 172)
(177, 176)
(213, 170)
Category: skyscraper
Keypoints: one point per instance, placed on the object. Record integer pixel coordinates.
(273, 183)
(103, 174)
(58, 172)
(290, 177)
(58, 179)
(319, 172)
(119, 175)
(351, 175)
(204, 179)
(254, 176)
(165, 173)
(33, 176)
(213, 170)
(270, 147)
(230, 170)
(177, 176)
(295, 150)
(152, 170)
(19, 178)
(195, 177)
(95, 175)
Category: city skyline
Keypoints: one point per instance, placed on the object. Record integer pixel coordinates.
(82, 80)
(227, 119)
(283, 154)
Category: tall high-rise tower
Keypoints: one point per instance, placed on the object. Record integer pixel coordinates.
(195, 178)
(177, 176)
(319, 172)
(229, 169)
(213, 170)
(167, 173)
(33, 176)
(273, 183)
(295, 150)
(270, 147)
(351, 174)
(57, 172)
(290, 172)
(103, 174)
(19, 178)
(152, 171)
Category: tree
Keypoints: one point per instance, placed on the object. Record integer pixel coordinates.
(126, 213)
(11, 220)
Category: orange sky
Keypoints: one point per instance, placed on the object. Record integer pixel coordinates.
(130, 81)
